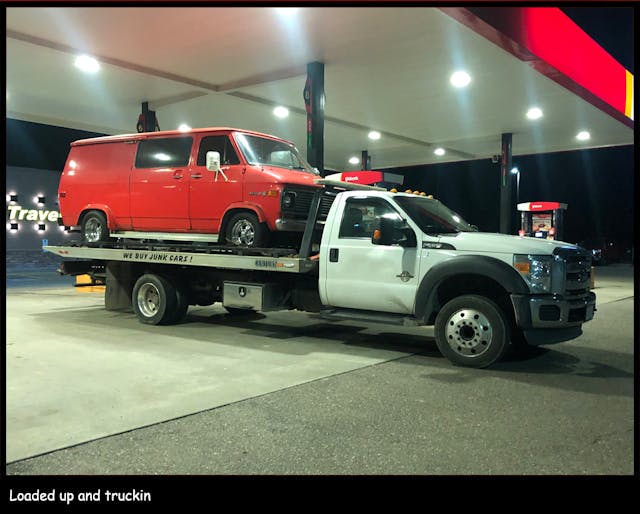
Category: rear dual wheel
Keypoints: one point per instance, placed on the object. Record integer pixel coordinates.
(157, 301)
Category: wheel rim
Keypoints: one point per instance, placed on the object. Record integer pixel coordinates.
(469, 332)
(93, 230)
(243, 233)
(148, 300)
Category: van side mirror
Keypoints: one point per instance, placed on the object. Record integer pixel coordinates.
(213, 161)
(392, 231)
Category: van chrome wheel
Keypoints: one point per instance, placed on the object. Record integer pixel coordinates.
(243, 233)
(94, 228)
(244, 229)
(93, 231)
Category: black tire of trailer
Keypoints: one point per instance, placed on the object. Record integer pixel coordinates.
(157, 301)
(94, 228)
(472, 331)
(244, 229)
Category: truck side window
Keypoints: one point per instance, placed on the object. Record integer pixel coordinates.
(164, 152)
(360, 214)
(220, 144)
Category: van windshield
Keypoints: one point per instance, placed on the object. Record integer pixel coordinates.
(268, 152)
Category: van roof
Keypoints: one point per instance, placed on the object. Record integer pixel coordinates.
(164, 133)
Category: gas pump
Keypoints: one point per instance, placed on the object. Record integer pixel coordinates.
(542, 219)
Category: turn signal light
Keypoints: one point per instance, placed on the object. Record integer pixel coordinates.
(522, 267)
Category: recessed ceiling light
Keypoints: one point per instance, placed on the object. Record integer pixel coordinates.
(534, 113)
(460, 79)
(287, 11)
(439, 151)
(184, 127)
(354, 160)
(583, 135)
(374, 134)
(86, 63)
(281, 112)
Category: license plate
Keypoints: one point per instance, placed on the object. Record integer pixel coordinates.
(589, 313)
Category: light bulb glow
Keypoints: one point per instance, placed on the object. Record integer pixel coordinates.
(460, 79)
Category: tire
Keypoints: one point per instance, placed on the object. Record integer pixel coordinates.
(182, 306)
(472, 331)
(155, 300)
(244, 229)
(94, 228)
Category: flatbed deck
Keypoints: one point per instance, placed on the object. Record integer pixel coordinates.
(281, 260)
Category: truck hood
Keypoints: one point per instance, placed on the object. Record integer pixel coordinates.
(286, 176)
(486, 242)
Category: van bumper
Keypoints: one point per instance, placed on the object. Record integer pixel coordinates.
(289, 225)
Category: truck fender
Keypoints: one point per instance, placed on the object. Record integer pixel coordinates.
(494, 269)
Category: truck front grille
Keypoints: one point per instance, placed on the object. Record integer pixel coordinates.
(577, 272)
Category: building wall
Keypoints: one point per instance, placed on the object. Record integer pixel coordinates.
(35, 156)
(24, 245)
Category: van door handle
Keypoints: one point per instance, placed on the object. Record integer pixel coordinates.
(334, 253)
(196, 175)
(177, 174)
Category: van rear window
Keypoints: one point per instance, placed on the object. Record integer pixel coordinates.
(164, 152)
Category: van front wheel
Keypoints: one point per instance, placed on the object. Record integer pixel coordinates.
(94, 228)
(244, 229)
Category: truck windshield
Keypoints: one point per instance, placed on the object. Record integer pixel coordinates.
(268, 152)
(432, 216)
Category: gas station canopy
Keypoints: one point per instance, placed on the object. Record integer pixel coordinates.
(386, 70)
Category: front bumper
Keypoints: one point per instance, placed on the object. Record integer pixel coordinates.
(290, 225)
(552, 311)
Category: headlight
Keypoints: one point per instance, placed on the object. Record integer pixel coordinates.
(288, 200)
(536, 271)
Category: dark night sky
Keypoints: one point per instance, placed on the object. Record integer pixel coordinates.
(598, 185)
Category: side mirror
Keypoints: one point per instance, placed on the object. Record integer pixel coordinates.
(391, 231)
(213, 161)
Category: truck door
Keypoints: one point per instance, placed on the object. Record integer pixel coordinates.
(361, 275)
(211, 194)
(159, 184)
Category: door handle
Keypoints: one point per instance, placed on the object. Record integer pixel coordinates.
(196, 175)
(177, 175)
(334, 253)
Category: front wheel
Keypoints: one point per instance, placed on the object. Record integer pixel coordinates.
(472, 331)
(244, 229)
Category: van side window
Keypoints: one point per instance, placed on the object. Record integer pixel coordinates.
(164, 152)
(220, 144)
(360, 214)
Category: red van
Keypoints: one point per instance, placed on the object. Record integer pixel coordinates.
(215, 185)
